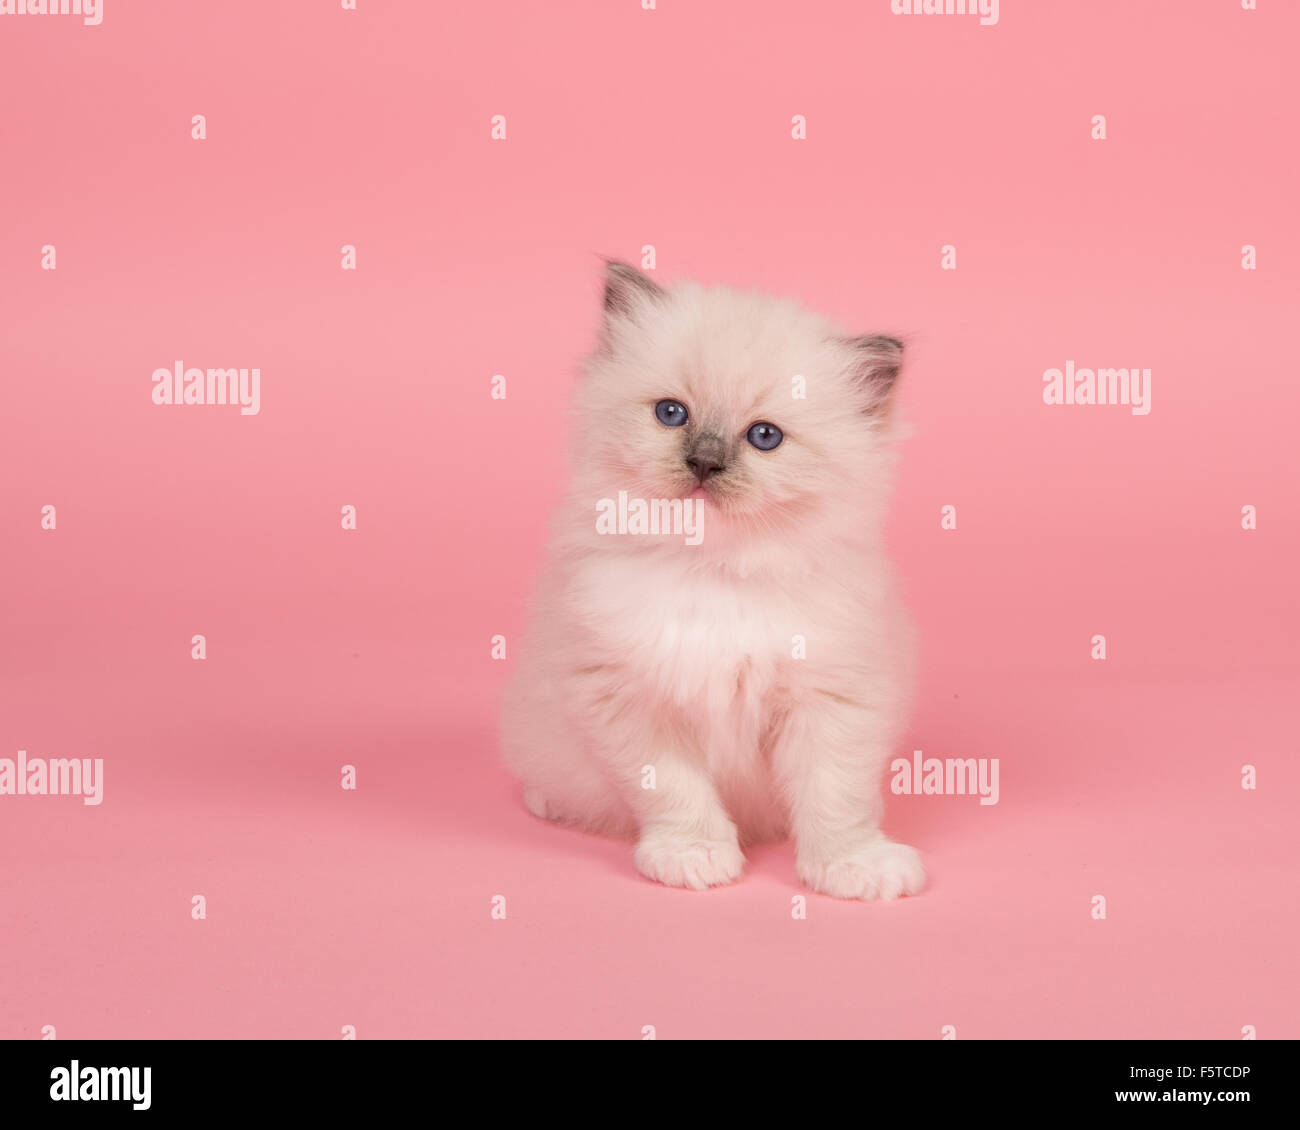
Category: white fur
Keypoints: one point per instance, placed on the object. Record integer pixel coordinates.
(648, 652)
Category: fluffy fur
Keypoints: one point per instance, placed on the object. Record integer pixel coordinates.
(654, 662)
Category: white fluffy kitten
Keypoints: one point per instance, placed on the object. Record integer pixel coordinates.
(757, 681)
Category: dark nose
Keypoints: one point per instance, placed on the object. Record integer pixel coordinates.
(706, 456)
(703, 465)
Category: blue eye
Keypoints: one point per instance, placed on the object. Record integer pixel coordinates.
(765, 436)
(671, 413)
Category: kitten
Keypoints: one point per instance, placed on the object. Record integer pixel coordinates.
(703, 696)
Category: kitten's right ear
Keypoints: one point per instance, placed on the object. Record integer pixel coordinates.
(877, 361)
(627, 290)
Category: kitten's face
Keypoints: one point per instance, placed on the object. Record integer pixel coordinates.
(749, 402)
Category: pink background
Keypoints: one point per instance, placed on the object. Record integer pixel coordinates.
(478, 257)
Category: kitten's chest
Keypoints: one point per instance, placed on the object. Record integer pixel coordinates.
(698, 640)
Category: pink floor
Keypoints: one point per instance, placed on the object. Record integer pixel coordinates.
(328, 908)
(371, 647)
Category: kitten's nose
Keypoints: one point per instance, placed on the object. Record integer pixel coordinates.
(706, 456)
(703, 466)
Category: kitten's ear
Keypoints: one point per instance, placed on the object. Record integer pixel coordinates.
(627, 289)
(877, 361)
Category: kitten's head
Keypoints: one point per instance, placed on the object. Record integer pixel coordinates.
(776, 419)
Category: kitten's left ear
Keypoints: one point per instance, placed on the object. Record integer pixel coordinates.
(626, 289)
(877, 361)
(628, 296)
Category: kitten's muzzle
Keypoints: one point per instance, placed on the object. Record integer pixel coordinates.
(706, 455)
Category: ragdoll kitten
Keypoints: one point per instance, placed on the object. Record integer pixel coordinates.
(704, 696)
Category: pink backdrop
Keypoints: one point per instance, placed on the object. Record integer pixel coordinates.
(475, 257)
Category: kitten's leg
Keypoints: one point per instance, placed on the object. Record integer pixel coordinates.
(686, 839)
(547, 752)
(536, 803)
(830, 758)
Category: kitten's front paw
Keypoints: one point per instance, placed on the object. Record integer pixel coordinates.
(881, 869)
(680, 862)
